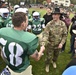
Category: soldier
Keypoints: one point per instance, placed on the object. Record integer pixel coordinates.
(53, 37)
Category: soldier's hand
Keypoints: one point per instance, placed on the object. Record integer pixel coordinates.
(60, 45)
(42, 48)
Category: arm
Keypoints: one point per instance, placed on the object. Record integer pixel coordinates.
(64, 36)
(43, 24)
(32, 49)
(72, 20)
(37, 55)
(29, 27)
(71, 30)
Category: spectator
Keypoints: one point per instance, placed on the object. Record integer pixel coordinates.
(73, 20)
(73, 35)
(2, 4)
(67, 21)
(48, 15)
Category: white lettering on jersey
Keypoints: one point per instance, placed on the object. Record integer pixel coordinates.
(19, 52)
(3, 42)
(13, 56)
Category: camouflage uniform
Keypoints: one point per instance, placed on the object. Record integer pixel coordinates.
(54, 34)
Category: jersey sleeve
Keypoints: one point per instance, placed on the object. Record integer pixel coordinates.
(43, 22)
(1, 21)
(32, 46)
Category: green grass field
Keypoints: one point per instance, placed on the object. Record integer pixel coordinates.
(39, 67)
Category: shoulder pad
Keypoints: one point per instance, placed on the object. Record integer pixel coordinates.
(41, 19)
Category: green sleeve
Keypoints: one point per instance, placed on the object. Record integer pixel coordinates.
(0, 25)
(7, 21)
(29, 16)
(42, 21)
(30, 22)
(32, 46)
(1, 21)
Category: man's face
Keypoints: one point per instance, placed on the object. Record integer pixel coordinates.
(49, 10)
(56, 17)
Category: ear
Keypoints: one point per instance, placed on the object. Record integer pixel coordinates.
(22, 24)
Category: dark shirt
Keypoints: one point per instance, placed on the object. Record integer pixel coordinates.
(73, 20)
(47, 18)
(73, 27)
(71, 63)
(67, 21)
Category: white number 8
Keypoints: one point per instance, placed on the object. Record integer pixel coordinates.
(13, 56)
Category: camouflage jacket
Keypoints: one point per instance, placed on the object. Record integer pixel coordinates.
(54, 33)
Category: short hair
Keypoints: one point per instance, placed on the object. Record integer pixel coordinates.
(50, 7)
(18, 18)
(1, 3)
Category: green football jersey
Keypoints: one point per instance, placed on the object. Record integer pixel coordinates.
(29, 16)
(5, 22)
(17, 46)
(8, 21)
(37, 25)
(1, 22)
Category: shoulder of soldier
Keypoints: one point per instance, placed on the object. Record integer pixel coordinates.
(50, 22)
(62, 23)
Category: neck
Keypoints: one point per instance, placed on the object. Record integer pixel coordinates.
(57, 20)
(48, 13)
(18, 28)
